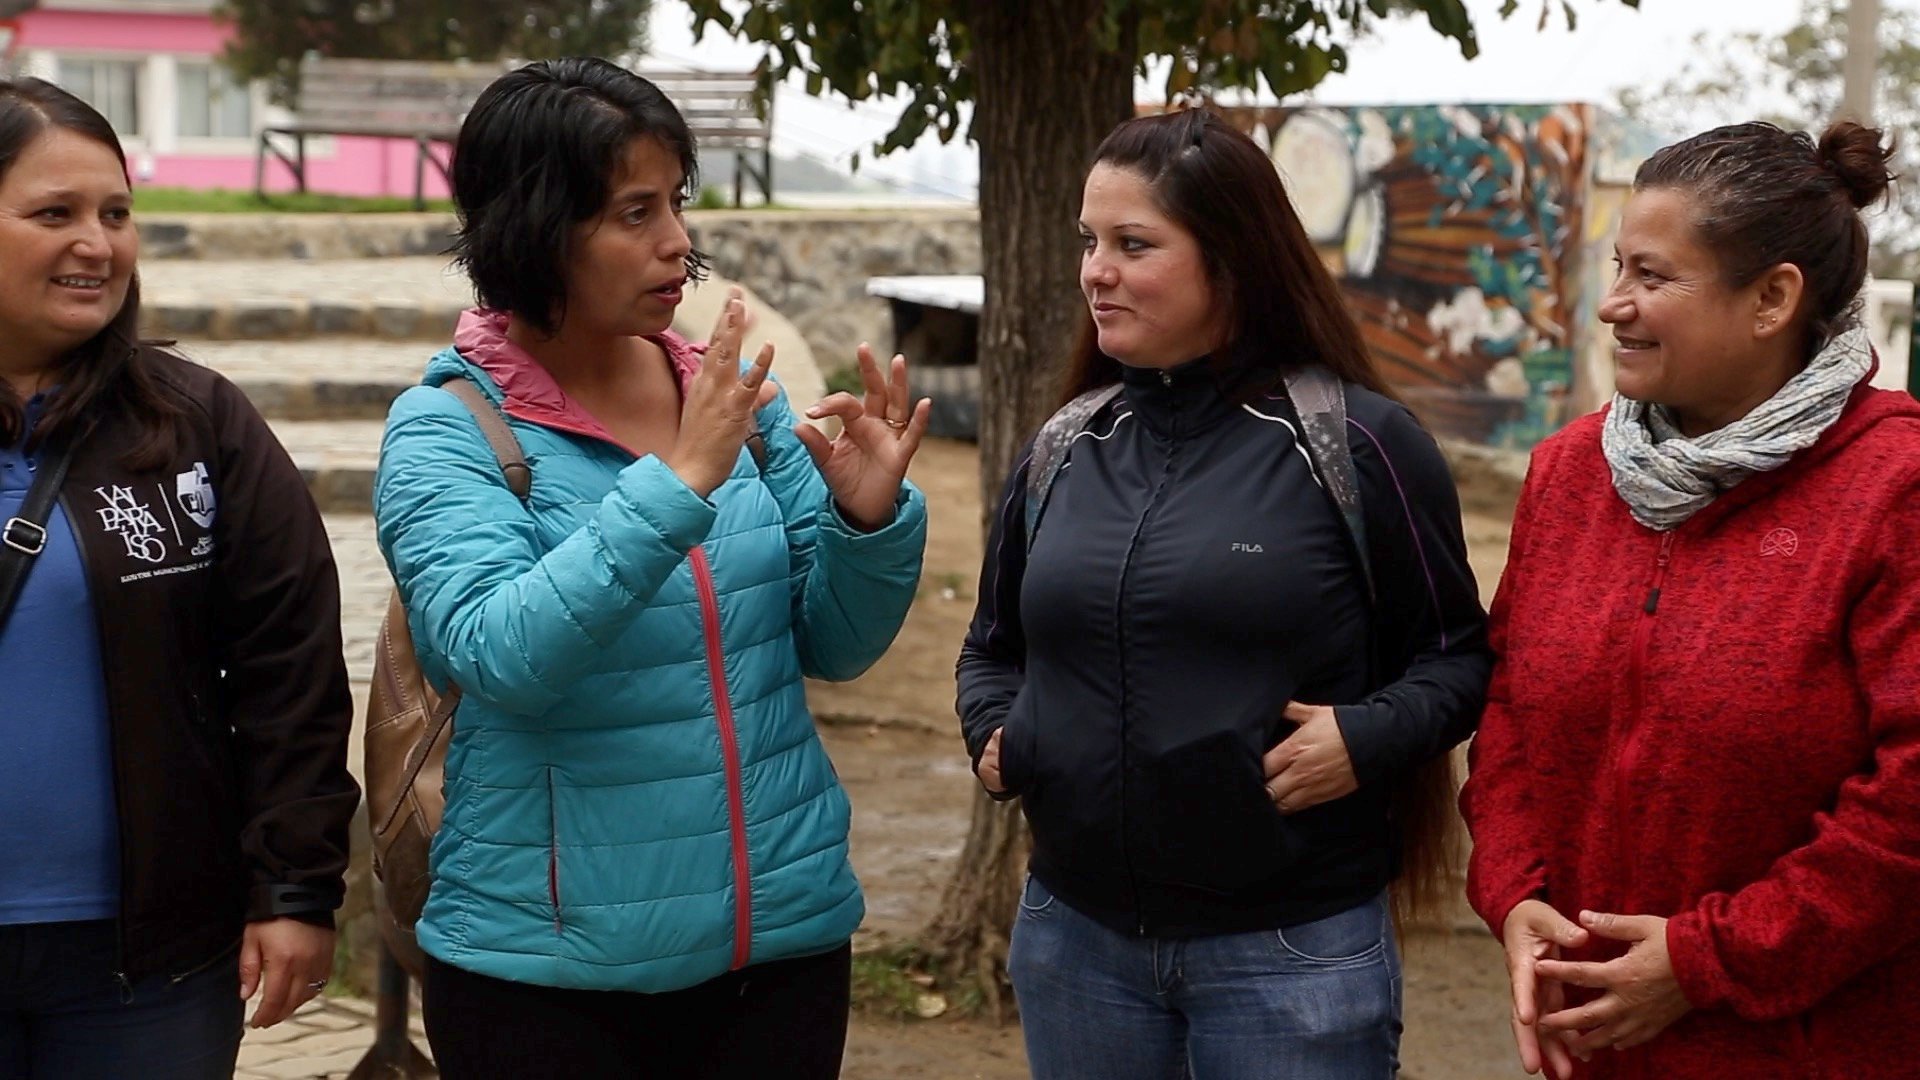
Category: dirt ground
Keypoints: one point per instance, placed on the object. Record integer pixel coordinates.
(895, 742)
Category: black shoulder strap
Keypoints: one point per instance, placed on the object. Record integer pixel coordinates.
(24, 535)
(1050, 447)
(1321, 402)
(493, 425)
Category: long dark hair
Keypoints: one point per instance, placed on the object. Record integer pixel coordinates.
(1284, 307)
(1285, 310)
(107, 371)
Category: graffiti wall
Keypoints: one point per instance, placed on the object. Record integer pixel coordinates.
(1464, 238)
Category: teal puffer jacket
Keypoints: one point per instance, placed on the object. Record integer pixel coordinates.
(636, 795)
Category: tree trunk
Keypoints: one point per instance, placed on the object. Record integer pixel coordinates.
(1047, 93)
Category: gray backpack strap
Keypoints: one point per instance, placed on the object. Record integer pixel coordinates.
(506, 448)
(1051, 445)
(1321, 402)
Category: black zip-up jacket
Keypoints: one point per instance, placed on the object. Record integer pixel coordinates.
(219, 617)
(1187, 580)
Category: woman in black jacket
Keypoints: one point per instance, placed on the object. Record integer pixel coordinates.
(174, 796)
(1228, 727)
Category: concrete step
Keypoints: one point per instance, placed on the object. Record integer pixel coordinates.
(293, 236)
(277, 299)
(317, 379)
(337, 457)
(327, 379)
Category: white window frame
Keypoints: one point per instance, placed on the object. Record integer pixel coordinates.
(145, 98)
(257, 118)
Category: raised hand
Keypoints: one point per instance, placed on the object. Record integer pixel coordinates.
(718, 413)
(879, 435)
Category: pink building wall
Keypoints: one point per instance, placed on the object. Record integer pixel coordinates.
(121, 31)
(351, 166)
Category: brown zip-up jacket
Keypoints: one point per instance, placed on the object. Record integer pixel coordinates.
(219, 616)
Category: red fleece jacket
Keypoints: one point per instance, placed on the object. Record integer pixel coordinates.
(1721, 725)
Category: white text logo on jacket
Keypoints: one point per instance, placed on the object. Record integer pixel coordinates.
(133, 520)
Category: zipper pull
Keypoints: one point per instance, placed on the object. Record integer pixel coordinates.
(1166, 379)
(1660, 575)
(126, 987)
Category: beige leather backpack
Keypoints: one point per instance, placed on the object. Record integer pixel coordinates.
(409, 727)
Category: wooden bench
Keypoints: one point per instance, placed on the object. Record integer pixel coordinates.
(426, 102)
(422, 101)
(720, 111)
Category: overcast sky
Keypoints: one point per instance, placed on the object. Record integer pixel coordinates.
(1405, 63)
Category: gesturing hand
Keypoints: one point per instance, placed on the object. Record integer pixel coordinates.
(1310, 766)
(1534, 934)
(879, 435)
(718, 413)
(1642, 997)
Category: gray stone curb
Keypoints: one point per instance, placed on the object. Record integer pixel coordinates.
(322, 399)
(278, 319)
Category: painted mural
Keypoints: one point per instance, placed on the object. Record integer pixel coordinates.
(1463, 236)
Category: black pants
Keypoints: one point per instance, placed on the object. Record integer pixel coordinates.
(785, 1019)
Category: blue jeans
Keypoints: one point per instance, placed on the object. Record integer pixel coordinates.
(1318, 1001)
(64, 1017)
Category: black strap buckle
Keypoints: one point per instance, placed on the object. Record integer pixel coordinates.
(24, 536)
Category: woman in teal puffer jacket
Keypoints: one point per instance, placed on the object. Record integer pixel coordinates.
(643, 867)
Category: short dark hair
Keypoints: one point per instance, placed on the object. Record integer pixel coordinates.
(1218, 185)
(1763, 196)
(535, 157)
(107, 371)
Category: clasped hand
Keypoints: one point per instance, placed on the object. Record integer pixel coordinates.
(1640, 997)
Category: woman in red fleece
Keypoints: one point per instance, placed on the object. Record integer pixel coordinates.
(1695, 796)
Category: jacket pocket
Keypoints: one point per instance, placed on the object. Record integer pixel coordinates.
(1018, 746)
(1204, 820)
(553, 853)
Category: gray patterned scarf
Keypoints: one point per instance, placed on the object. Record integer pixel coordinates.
(1665, 477)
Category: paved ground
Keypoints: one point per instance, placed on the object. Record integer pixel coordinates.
(325, 1038)
(364, 585)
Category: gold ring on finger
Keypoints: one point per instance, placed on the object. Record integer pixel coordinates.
(897, 425)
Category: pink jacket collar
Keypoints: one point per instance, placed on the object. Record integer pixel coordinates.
(531, 392)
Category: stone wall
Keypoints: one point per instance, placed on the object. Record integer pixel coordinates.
(813, 266)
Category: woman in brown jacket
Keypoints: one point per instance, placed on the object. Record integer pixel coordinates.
(174, 796)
